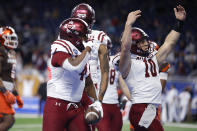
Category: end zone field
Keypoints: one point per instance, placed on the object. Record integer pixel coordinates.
(35, 124)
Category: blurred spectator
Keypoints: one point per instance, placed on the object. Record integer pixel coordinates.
(171, 99)
(28, 81)
(184, 100)
(194, 105)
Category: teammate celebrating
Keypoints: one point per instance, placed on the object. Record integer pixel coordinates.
(68, 72)
(112, 119)
(140, 68)
(8, 93)
(100, 40)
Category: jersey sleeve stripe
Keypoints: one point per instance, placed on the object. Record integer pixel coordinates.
(66, 44)
(116, 58)
(99, 36)
(102, 38)
(56, 42)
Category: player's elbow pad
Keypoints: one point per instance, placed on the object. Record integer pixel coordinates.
(79, 68)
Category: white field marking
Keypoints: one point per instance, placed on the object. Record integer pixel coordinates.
(27, 116)
(181, 125)
(27, 126)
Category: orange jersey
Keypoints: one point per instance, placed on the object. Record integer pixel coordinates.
(5, 107)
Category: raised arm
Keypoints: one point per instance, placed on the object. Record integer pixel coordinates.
(125, 57)
(173, 36)
(104, 66)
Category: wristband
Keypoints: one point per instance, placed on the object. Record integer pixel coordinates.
(178, 26)
(15, 92)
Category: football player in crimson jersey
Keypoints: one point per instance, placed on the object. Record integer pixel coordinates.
(8, 93)
(100, 40)
(68, 75)
(140, 68)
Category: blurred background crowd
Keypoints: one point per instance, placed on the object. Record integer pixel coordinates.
(36, 23)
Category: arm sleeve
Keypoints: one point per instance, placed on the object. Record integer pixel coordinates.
(163, 75)
(66, 64)
(58, 58)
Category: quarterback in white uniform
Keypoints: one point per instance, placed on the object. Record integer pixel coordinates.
(139, 66)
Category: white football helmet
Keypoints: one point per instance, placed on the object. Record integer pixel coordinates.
(8, 37)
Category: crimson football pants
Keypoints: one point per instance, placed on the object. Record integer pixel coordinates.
(112, 118)
(135, 115)
(59, 114)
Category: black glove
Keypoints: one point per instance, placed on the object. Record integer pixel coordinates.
(122, 104)
(2, 89)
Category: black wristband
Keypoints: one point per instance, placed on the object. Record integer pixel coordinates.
(2, 89)
(178, 26)
(15, 92)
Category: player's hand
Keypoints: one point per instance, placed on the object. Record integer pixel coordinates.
(19, 102)
(2, 89)
(98, 106)
(180, 13)
(89, 44)
(10, 98)
(133, 16)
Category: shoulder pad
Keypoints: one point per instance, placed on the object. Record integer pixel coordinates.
(99, 37)
(61, 45)
(115, 60)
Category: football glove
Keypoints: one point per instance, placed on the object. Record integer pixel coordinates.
(98, 106)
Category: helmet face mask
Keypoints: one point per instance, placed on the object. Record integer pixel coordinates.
(8, 37)
(140, 42)
(85, 12)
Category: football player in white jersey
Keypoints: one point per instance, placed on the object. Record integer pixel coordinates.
(140, 68)
(68, 71)
(100, 40)
(112, 118)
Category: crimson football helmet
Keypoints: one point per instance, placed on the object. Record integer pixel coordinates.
(73, 30)
(8, 37)
(85, 12)
(138, 35)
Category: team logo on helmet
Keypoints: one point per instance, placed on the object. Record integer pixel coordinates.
(85, 12)
(8, 37)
